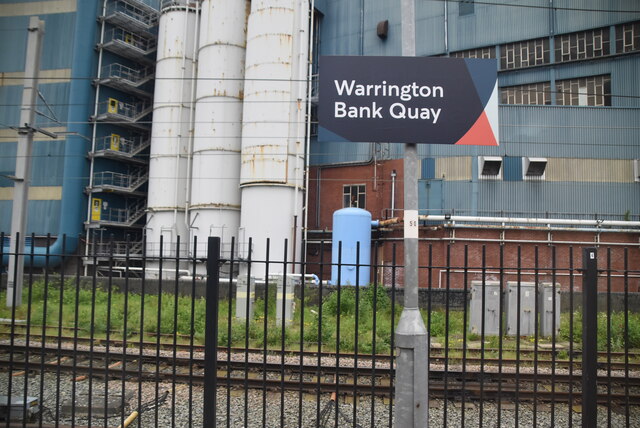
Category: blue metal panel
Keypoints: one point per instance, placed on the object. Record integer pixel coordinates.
(10, 99)
(508, 22)
(13, 43)
(58, 38)
(55, 48)
(56, 96)
(7, 164)
(428, 168)
(430, 196)
(74, 39)
(576, 18)
(572, 200)
(512, 168)
(48, 159)
(341, 28)
(624, 81)
(43, 217)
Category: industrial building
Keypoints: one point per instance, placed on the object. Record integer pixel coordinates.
(178, 120)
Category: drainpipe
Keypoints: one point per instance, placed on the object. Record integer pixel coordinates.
(393, 192)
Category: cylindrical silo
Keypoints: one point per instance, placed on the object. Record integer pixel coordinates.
(350, 264)
(168, 160)
(215, 192)
(273, 131)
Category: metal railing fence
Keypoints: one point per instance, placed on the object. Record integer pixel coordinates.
(205, 338)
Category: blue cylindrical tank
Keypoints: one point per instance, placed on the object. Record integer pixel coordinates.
(350, 226)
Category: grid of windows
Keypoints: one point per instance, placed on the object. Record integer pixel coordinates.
(628, 37)
(582, 45)
(586, 91)
(536, 93)
(354, 196)
(524, 54)
(488, 52)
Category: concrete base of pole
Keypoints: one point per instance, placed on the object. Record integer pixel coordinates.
(411, 383)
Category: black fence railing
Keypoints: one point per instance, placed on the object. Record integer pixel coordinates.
(207, 340)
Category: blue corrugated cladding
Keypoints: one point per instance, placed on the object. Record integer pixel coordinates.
(512, 168)
(67, 44)
(538, 131)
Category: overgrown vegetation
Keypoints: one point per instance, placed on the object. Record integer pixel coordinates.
(349, 319)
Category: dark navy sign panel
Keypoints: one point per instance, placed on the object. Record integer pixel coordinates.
(408, 100)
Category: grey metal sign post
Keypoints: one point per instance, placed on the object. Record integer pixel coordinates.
(412, 339)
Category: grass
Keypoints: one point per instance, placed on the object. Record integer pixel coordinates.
(344, 321)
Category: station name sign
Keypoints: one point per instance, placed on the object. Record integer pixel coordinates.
(408, 100)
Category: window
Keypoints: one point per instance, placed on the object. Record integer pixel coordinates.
(533, 94)
(582, 45)
(524, 54)
(488, 52)
(354, 196)
(628, 37)
(585, 91)
(490, 167)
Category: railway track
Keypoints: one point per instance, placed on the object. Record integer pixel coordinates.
(542, 357)
(275, 373)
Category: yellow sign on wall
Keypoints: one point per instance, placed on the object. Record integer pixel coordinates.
(115, 142)
(112, 107)
(96, 209)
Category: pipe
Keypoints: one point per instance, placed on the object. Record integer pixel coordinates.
(393, 191)
(192, 106)
(516, 273)
(307, 149)
(446, 27)
(510, 241)
(546, 221)
(75, 151)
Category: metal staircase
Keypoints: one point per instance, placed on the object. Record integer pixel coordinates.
(127, 79)
(126, 114)
(121, 120)
(129, 45)
(121, 217)
(122, 183)
(122, 149)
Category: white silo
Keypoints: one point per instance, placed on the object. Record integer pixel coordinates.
(215, 194)
(273, 130)
(168, 160)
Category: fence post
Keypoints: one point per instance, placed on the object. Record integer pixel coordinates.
(211, 333)
(589, 337)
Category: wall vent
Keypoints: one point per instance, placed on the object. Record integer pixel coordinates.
(490, 167)
(534, 168)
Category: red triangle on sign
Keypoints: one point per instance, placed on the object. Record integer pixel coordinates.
(480, 134)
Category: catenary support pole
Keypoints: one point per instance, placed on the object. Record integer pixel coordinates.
(411, 383)
(589, 337)
(22, 175)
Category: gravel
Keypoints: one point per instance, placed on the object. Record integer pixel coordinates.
(174, 410)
